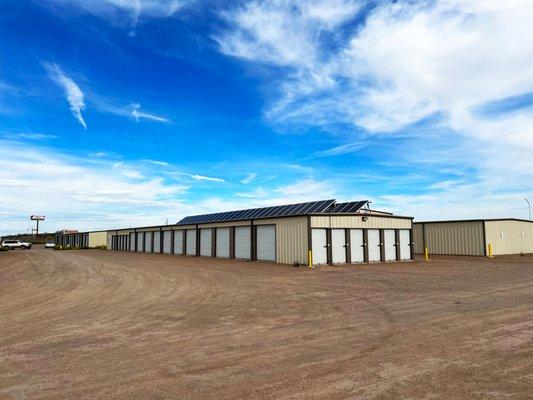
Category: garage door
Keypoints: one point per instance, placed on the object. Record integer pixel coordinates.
(132, 241)
(242, 242)
(148, 242)
(191, 242)
(167, 237)
(405, 247)
(178, 242)
(338, 246)
(140, 241)
(357, 249)
(374, 249)
(390, 244)
(222, 249)
(319, 243)
(157, 242)
(206, 240)
(266, 243)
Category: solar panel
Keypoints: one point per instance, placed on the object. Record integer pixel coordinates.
(348, 208)
(264, 212)
(316, 207)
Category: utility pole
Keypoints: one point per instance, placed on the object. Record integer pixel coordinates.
(528, 208)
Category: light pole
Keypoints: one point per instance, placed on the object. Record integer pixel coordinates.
(528, 208)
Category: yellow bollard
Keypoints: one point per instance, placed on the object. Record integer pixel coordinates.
(426, 254)
(310, 258)
(491, 254)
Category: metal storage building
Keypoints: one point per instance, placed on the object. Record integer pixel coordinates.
(321, 232)
(81, 239)
(472, 237)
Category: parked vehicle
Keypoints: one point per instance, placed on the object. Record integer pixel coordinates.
(49, 245)
(16, 244)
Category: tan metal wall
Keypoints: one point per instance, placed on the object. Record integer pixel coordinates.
(373, 222)
(97, 239)
(291, 239)
(418, 238)
(453, 238)
(225, 224)
(510, 237)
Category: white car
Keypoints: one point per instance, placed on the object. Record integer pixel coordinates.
(16, 244)
(49, 245)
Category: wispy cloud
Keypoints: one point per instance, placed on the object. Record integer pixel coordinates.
(342, 149)
(157, 162)
(204, 178)
(137, 114)
(80, 193)
(28, 135)
(72, 91)
(116, 10)
(98, 154)
(249, 178)
(133, 110)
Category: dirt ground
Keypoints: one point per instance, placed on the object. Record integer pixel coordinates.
(115, 325)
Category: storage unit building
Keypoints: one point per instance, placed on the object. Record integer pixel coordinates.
(321, 232)
(473, 237)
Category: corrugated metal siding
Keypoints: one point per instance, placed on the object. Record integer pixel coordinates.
(510, 237)
(418, 238)
(373, 222)
(97, 239)
(291, 238)
(455, 238)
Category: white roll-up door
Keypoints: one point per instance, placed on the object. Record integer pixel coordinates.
(242, 242)
(148, 242)
(167, 237)
(266, 242)
(374, 249)
(132, 241)
(222, 244)
(390, 244)
(319, 243)
(206, 242)
(140, 241)
(178, 242)
(191, 242)
(338, 246)
(357, 250)
(405, 246)
(157, 242)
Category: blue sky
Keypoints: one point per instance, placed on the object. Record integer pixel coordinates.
(119, 113)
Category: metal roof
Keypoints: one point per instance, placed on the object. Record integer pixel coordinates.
(316, 207)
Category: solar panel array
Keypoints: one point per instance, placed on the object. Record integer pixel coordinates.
(348, 208)
(265, 212)
(316, 207)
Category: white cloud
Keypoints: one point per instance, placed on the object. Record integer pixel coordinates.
(157, 162)
(408, 61)
(98, 154)
(80, 193)
(204, 178)
(249, 178)
(433, 63)
(115, 10)
(28, 135)
(137, 114)
(73, 92)
(342, 149)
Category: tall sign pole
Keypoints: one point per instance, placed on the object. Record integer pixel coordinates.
(37, 218)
